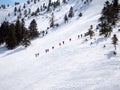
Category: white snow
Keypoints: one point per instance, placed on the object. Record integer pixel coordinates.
(76, 65)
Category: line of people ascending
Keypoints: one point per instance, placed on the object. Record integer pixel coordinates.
(60, 44)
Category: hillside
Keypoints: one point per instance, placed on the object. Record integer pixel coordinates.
(76, 64)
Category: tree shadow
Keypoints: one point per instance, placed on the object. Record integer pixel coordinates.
(100, 40)
(3, 49)
(110, 54)
(14, 51)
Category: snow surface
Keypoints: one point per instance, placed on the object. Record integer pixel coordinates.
(76, 65)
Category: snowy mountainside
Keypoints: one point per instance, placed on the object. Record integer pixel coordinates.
(75, 65)
(42, 16)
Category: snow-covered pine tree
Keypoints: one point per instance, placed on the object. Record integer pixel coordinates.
(71, 13)
(65, 18)
(33, 29)
(52, 21)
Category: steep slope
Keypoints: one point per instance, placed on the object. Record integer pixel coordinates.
(76, 65)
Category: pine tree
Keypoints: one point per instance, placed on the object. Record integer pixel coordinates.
(64, 1)
(28, 2)
(11, 41)
(52, 21)
(110, 12)
(15, 9)
(35, 1)
(49, 4)
(71, 13)
(90, 32)
(26, 39)
(38, 10)
(65, 18)
(1, 35)
(80, 14)
(23, 28)
(18, 30)
(25, 12)
(114, 40)
(4, 31)
(44, 6)
(115, 3)
(116, 6)
(19, 10)
(14, 14)
(58, 2)
(33, 29)
(8, 5)
(29, 11)
(24, 6)
(105, 29)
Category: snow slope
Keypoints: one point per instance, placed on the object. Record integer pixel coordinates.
(76, 65)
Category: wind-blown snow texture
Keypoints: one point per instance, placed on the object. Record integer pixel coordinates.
(76, 65)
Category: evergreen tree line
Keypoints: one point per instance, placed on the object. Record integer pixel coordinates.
(15, 34)
(27, 12)
(4, 6)
(53, 4)
(109, 17)
(20, 11)
(108, 20)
